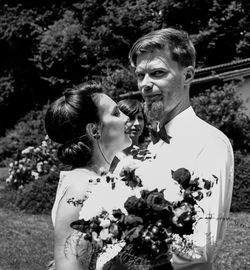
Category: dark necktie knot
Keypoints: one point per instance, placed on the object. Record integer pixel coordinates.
(161, 134)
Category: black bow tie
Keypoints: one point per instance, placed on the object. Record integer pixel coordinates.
(161, 134)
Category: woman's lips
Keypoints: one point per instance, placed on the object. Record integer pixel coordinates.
(134, 130)
(127, 128)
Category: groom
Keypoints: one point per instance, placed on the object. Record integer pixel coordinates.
(164, 63)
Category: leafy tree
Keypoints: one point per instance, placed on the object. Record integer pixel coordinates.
(49, 45)
(63, 52)
(29, 131)
(225, 30)
(224, 108)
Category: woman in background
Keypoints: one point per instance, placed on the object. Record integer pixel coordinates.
(138, 131)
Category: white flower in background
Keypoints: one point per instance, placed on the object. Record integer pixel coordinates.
(39, 166)
(35, 175)
(9, 179)
(44, 144)
(27, 150)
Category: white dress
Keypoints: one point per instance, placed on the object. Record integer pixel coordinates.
(67, 178)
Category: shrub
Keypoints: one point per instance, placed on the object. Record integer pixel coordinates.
(241, 190)
(38, 196)
(33, 179)
(8, 198)
(223, 108)
(34, 163)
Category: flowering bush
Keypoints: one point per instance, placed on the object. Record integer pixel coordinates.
(34, 163)
(29, 130)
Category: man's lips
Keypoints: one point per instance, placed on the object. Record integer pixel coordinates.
(152, 98)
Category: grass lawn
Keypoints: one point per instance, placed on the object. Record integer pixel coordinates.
(235, 252)
(3, 173)
(26, 242)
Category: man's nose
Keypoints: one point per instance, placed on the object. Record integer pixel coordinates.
(146, 85)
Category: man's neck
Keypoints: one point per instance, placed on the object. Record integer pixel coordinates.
(168, 116)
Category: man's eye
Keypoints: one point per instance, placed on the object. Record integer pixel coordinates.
(140, 76)
(158, 73)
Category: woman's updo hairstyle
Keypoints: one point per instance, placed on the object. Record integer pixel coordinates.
(66, 121)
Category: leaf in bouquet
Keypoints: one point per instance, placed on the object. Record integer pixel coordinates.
(194, 184)
(133, 233)
(132, 220)
(189, 197)
(114, 229)
(207, 184)
(80, 225)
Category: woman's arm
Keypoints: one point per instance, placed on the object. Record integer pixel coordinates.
(71, 250)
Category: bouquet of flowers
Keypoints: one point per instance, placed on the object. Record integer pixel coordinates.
(137, 228)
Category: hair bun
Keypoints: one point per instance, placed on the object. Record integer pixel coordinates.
(75, 154)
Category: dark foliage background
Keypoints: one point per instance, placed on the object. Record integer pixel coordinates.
(48, 45)
(45, 46)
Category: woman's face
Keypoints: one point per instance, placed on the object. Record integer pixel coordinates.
(115, 130)
(136, 125)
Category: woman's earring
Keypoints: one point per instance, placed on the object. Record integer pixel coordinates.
(97, 135)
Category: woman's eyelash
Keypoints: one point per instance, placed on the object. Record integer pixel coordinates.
(116, 112)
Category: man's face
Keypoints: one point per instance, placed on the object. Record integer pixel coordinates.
(161, 82)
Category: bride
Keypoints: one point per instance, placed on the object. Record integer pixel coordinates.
(91, 130)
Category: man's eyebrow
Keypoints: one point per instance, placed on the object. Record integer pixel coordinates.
(150, 69)
(137, 71)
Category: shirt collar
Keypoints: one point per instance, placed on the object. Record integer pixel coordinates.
(180, 121)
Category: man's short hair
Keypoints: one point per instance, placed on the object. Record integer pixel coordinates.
(176, 41)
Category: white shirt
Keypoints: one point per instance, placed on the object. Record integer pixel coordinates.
(205, 151)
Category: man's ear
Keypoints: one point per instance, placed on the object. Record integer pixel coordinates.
(93, 131)
(189, 75)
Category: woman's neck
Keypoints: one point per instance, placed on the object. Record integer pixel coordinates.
(97, 168)
(135, 142)
(102, 158)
